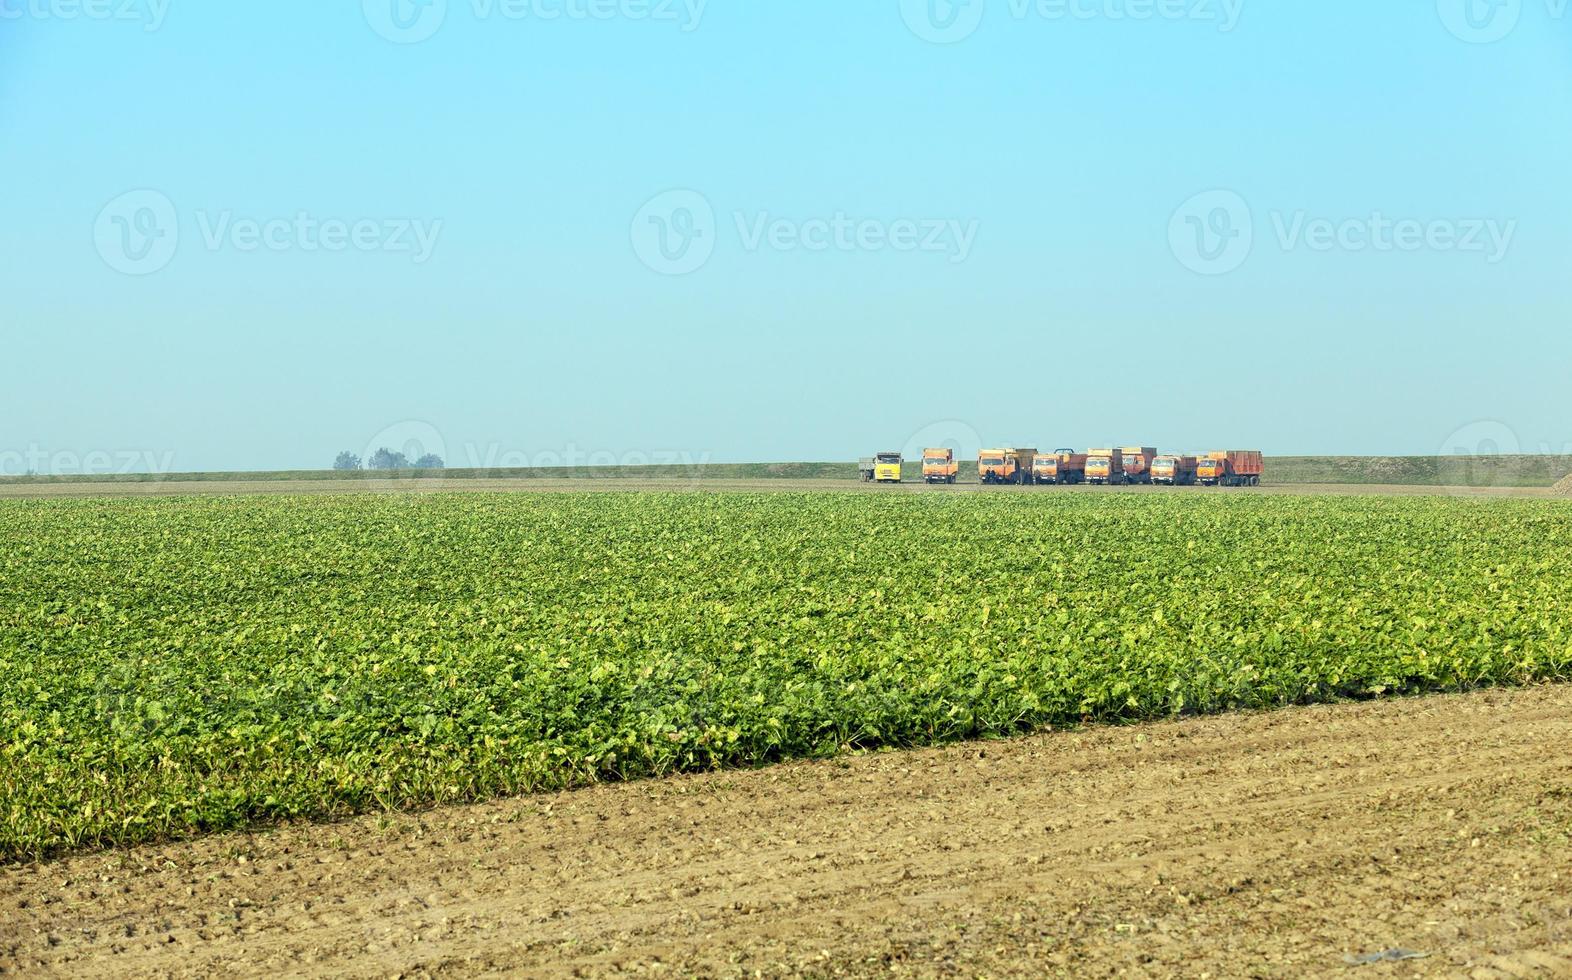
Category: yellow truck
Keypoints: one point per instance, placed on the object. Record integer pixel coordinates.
(887, 468)
(939, 466)
(1006, 465)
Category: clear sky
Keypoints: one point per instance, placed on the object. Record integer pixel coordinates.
(243, 236)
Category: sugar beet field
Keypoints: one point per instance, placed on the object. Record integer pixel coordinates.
(174, 666)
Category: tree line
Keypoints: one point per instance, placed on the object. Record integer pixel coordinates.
(387, 459)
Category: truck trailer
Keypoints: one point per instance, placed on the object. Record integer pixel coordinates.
(1230, 468)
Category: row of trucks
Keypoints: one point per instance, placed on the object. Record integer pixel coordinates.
(1112, 466)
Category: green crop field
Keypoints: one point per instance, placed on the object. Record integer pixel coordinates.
(179, 665)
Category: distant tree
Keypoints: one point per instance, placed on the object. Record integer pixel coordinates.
(387, 459)
(347, 461)
(430, 461)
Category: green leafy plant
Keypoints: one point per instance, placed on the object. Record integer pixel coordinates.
(175, 666)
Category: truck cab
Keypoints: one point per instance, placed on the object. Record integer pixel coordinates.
(1137, 463)
(939, 466)
(1062, 466)
(887, 468)
(996, 466)
(1045, 468)
(1104, 466)
(1212, 469)
(1006, 465)
(1175, 471)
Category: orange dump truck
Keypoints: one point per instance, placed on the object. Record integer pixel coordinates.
(1231, 468)
(1176, 471)
(939, 466)
(1138, 463)
(1104, 466)
(999, 466)
(1062, 466)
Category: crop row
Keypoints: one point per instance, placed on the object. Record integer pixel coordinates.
(177, 666)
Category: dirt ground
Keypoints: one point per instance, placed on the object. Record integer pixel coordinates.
(476, 485)
(1270, 844)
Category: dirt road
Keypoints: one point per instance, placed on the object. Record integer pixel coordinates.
(1270, 844)
(630, 484)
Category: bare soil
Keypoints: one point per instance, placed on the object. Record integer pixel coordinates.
(1271, 844)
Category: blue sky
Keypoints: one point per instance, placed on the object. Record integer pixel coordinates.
(239, 237)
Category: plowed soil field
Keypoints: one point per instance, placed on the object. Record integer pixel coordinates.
(1431, 835)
